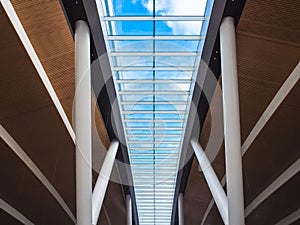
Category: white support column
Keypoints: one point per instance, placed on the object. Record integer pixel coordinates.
(233, 156)
(102, 181)
(129, 210)
(83, 124)
(180, 210)
(212, 180)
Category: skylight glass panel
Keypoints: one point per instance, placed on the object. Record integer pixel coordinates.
(154, 50)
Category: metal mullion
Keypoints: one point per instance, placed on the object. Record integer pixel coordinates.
(157, 128)
(145, 181)
(165, 210)
(156, 103)
(151, 148)
(167, 54)
(147, 157)
(159, 81)
(160, 219)
(149, 68)
(142, 159)
(144, 163)
(149, 207)
(149, 172)
(160, 195)
(156, 112)
(152, 121)
(146, 167)
(157, 135)
(151, 179)
(157, 38)
(153, 142)
(156, 18)
(157, 177)
(151, 203)
(149, 216)
(178, 92)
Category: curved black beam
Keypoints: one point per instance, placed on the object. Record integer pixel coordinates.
(211, 57)
(105, 94)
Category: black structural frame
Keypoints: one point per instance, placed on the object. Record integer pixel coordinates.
(211, 57)
(87, 10)
(103, 86)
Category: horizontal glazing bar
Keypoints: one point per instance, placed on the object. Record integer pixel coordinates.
(173, 149)
(150, 68)
(153, 142)
(165, 211)
(143, 186)
(157, 172)
(153, 159)
(169, 37)
(156, 18)
(154, 112)
(152, 54)
(154, 135)
(154, 93)
(157, 198)
(152, 180)
(153, 121)
(151, 213)
(153, 103)
(154, 165)
(146, 167)
(161, 81)
(158, 195)
(155, 128)
(156, 219)
(157, 192)
(150, 157)
(149, 216)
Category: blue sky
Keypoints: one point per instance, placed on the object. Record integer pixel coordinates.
(142, 136)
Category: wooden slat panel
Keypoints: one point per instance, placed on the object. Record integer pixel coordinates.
(268, 39)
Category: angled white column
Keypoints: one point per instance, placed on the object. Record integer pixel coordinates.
(180, 210)
(212, 180)
(129, 210)
(102, 181)
(83, 124)
(14, 213)
(232, 134)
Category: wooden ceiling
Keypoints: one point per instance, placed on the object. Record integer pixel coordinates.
(268, 49)
(268, 38)
(29, 115)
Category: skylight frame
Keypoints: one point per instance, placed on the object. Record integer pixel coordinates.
(113, 57)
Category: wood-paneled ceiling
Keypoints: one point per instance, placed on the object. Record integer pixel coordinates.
(268, 50)
(268, 39)
(30, 117)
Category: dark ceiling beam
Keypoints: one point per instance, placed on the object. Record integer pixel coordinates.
(211, 57)
(103, 86)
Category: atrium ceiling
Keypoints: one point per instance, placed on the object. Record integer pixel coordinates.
(268, 50)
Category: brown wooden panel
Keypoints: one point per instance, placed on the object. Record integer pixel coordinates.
(268, 40)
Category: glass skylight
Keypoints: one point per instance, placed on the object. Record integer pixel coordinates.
(154, 49)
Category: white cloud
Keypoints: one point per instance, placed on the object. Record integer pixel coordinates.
(181, 8)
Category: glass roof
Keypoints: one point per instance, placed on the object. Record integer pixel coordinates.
(154, 49)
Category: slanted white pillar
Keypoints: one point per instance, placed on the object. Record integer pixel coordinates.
(233, 156)
(129, 210)
(103, 179)
(83, 124)
(212, 180)
(180, 210)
